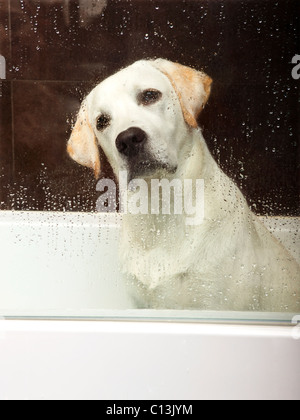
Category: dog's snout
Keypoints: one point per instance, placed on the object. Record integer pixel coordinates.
(130, 142)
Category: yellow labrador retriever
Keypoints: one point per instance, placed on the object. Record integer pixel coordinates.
(145, 120)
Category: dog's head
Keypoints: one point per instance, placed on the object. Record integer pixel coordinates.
(141, 117)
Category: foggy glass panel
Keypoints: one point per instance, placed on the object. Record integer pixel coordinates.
(66, 228)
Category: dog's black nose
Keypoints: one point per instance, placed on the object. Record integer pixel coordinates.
(130, 142)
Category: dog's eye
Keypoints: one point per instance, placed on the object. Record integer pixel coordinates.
(103, 122)
(149, 97)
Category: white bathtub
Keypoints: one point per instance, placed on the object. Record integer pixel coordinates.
(64, 266)
(55, 263)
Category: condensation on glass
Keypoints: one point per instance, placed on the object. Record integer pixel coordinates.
(60, 241)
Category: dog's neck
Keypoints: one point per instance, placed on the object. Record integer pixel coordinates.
(153, 230)
(197, 162)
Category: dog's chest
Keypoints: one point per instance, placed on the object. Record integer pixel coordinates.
(152, 251)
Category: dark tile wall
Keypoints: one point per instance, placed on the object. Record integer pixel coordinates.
(6, 145)
(6, 138)
(57, 50)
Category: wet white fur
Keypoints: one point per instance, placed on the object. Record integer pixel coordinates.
(229, 262)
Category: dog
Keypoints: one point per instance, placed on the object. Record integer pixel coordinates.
(145, 120)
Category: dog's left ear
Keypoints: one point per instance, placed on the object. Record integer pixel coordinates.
(192, 87)
(82, 145)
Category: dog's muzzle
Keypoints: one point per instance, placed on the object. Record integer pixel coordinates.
(132, 146)
(130, 143)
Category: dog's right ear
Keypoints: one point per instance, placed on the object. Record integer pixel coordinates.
(82, 145)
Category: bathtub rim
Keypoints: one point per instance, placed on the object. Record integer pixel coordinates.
(273, 319)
